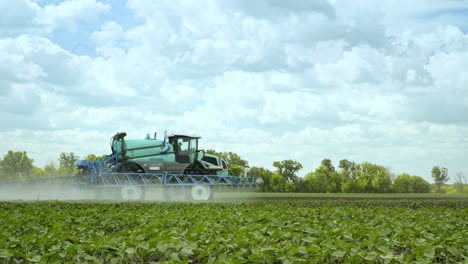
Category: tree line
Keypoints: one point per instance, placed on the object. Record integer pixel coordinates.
(348, 177)
(16, 165)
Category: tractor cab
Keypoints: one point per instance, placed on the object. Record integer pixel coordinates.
(185, 148)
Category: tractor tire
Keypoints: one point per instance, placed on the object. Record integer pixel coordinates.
(132, 193)
(202, 192)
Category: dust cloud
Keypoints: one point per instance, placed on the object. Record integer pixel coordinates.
(29, 192)
(67, 192)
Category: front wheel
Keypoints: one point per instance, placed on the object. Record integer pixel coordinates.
(202, 192)
(132, 193)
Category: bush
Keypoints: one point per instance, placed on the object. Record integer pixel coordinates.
(405, 183)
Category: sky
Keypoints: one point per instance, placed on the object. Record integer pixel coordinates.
(384, 82)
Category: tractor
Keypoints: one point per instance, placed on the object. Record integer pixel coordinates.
(175, 163)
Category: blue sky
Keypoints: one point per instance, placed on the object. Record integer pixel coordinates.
(77, 40)
(382, 82)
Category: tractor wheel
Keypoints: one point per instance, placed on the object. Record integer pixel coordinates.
(132, 193)
(202, 192)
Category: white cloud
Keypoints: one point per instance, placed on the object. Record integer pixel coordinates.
(69, 12)
(27, 16)
(449, 71)
(26, 101)
(18, 16)
(356, 66)
(81, 142)
(13, 67)
(270, 80)
(277, 9)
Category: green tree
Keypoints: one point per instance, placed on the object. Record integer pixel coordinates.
(277, 183)
(327, 164)
(235, 169)
(287, 169)
(50, 169)
(374, 178)
(290, 187)
(301, 185)
(350, 186)
(324, 178)
(349, 174)
(405, 183)
(402, 183)
(346, 165)
(460, 181)
(67, 163)
(440, 176)
(311, 183)
(94, 157)
(333, 178)
(236, 165)
(419, 185)
(317, 181)
(15, 164)
(266, 175)
(38, 172)
(233, 158)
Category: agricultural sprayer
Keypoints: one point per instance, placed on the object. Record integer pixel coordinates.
(175, 163)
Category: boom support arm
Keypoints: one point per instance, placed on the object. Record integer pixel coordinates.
(93, 169)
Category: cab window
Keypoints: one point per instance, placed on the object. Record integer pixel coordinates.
(193, 144)
(183, 144)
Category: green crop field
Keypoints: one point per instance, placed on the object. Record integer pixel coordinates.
(337, 231)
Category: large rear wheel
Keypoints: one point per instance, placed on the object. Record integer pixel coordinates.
(202, 192)
(132, 193)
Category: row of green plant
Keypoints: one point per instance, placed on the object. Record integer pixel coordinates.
(235, 232)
